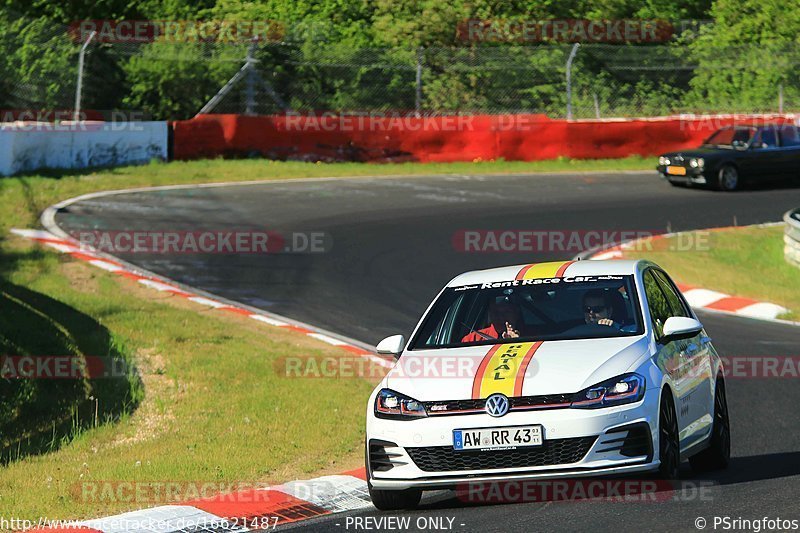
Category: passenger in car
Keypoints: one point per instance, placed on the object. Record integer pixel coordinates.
(599, 311)
(505, 322)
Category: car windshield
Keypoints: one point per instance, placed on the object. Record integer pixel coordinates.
(528, 310)
(731, 137)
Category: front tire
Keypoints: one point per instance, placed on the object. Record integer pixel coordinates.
(395, 500)
(718, 454)
(728, 178)
(669, 448)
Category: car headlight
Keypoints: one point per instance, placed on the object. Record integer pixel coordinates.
(663, 160)
(697, 162)
(627, 388)
(391, 404)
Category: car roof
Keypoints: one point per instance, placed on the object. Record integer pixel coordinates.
(555, 269)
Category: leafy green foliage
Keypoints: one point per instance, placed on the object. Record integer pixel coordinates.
(751, 50)
(361, 55)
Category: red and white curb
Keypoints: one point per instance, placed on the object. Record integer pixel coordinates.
(716, 301)
(90, 256)
(700, 298)
(256, 509)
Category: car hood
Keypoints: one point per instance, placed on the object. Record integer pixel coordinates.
(556, 367)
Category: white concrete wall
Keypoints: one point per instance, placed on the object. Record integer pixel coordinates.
(26, 146)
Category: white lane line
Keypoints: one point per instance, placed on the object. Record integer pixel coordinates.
(268, 320)
(206, 301)
(105, 265)
(329, 340)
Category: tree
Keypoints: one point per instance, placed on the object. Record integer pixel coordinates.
(743, 58)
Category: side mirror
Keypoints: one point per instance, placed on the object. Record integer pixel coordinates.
(679, 327)
(392, 346)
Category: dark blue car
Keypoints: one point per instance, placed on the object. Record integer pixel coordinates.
(735, 156)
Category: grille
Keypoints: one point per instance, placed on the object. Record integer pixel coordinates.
(552, 452)
(541, 401)
(521, 402)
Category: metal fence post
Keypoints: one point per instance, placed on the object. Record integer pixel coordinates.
(79, 89)
(250, 80)
(569, 79)
(780, 98)
(418, 94)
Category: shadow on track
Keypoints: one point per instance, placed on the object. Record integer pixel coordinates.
(741, 470)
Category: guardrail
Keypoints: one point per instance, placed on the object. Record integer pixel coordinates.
(791, 238)
(440, 138)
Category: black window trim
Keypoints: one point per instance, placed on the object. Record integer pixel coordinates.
(686, 307)
(656, 335)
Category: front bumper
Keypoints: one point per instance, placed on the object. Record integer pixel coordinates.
(693, 175)
(395, 448)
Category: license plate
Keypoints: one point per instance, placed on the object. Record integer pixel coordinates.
(503, 438)
(676, 171)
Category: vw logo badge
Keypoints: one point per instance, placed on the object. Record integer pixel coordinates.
(497, 405)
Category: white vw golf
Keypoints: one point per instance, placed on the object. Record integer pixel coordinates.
(550, 370)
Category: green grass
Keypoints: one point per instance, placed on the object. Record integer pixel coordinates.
(744, 262)
(214, 408)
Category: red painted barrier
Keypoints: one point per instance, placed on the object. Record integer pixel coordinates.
(442, 138)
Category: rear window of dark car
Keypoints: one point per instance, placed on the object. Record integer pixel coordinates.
(789, 136)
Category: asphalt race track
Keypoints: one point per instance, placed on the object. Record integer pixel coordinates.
(391, 248)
